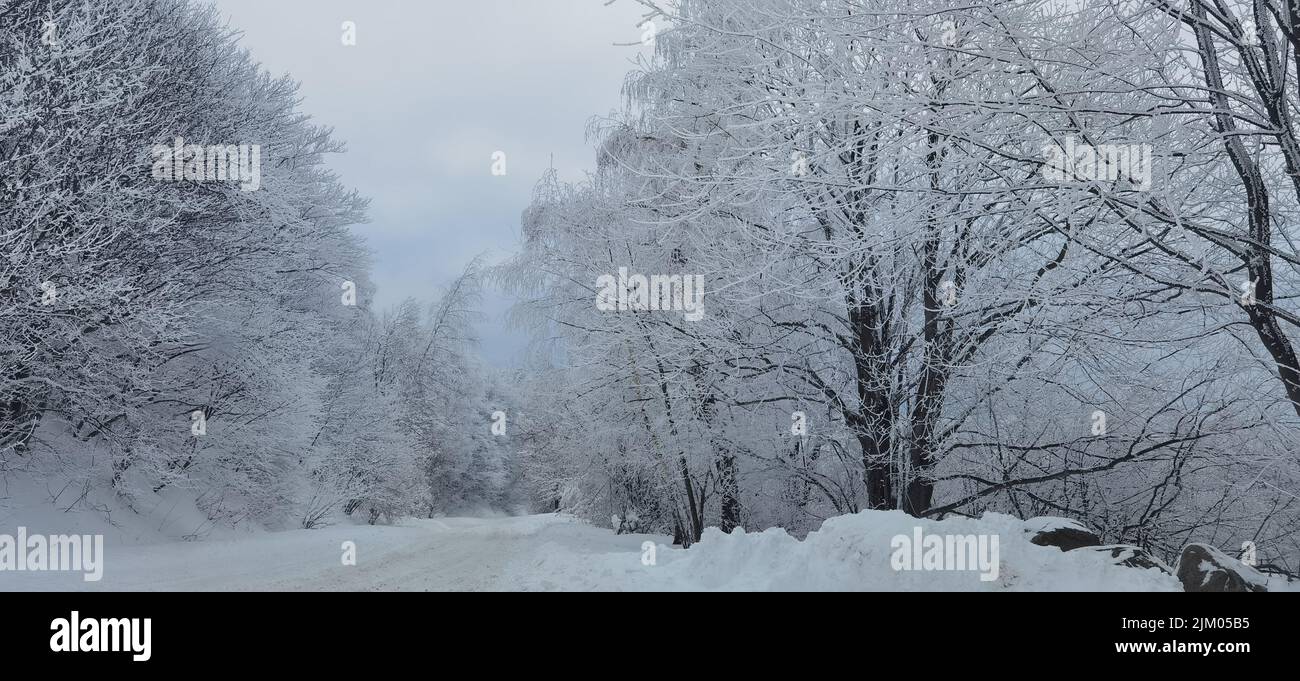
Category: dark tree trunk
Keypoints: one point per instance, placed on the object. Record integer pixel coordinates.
(1258, 261)
(730, 519)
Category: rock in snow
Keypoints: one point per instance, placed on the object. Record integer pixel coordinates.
(1062, 533)
(1205, 568)
(1127, 555)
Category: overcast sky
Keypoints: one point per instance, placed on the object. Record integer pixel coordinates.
(431, 89)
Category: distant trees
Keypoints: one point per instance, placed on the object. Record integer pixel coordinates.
(193, 333)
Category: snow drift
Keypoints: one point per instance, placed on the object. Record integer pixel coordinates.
(850, 553)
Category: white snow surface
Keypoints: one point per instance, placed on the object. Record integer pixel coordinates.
(557, 552)
(852, 553)
(1049, 523)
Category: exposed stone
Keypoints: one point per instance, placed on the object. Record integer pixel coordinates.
(1062, 533)
(1205, 568)
(1128, 555)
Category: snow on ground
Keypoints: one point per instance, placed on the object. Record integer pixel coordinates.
(56, 505)
(555, 552)
(852, 553)
(415, 555)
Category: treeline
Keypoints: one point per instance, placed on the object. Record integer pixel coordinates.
(186, 331)
(1028, 257)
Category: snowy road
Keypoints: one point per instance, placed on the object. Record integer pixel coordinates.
(559, 553)
(451, 554)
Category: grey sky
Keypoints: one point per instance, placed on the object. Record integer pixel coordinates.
(428, 93)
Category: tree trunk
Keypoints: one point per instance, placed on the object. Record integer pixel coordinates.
(730, 519)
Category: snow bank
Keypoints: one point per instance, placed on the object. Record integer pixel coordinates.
(60, 505)
(852, 553)
(557, 552)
